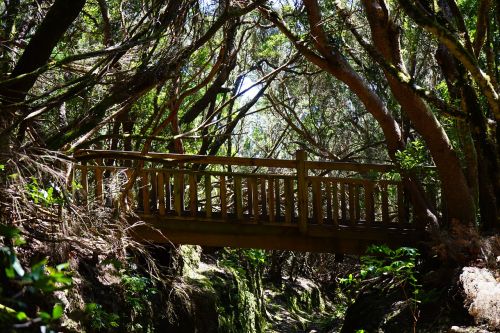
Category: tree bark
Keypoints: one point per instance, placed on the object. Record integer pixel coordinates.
(456, 194)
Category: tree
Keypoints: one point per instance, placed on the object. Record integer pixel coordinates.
(425, 110)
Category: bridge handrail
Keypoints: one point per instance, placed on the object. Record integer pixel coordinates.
(268, 195)
(171, 158)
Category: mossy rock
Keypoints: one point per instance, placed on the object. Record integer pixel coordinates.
(303, 295)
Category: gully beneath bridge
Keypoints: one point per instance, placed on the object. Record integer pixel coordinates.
(250, 202)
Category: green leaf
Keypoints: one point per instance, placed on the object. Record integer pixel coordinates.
(9, 272)
(9, 231)
(21, 316)
(44, 316)
(57, 311)
(62, 266)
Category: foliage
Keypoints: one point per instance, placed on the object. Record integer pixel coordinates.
(48, 196)
(20, 286)
(413, 156)
(138, 292)
(99, 318)
(399, 265)
(237, 258)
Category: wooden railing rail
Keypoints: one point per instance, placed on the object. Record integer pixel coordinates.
(297, 199)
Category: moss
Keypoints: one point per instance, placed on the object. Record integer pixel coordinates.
(237, 306)
(304, 296)
(191, 258)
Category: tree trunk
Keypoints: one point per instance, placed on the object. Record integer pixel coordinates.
(455, 191)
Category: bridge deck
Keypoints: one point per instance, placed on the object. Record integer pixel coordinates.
(221, 201)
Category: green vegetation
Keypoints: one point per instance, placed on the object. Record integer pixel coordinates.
(410, 83)
(20, 286)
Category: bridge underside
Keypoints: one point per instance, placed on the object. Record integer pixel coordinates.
(351, 239)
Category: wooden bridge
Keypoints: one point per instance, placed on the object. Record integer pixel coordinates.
(250, 202)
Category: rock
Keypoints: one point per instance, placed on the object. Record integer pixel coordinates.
(375, 311)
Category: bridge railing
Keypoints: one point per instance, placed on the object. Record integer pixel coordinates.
(294, 192)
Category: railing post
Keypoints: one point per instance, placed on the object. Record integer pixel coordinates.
(300, 156)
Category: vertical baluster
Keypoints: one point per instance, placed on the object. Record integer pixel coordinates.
(130, 195)
(288, 200)
(277, 197)
(328, 193)
(238, 197)
(357, 213)
(161, 192)
(153, 189)
(168, 194)
(401, 204)
(208, 195)
(115, 197)
(369, 202)
(302, 189)
(352, 220)
(85, 183)
(343, 203)
(99, 186)
(335, 201)
(317, 201)
(223, 196)
(270, 198)
(178, 189)
(249, 196)
(193, 194)
(255, 198)
(385, 203)
(263, 199)
(145, 192)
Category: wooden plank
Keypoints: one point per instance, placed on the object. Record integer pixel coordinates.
(208, 195)
(130, 195)
(84, 181)
(335, 203)
(175, 159)
(277, 197)
(343, 203)
(357, 213)
(115, 197)
(223, 196)
(178, 197)
(369, 202)
(145, 192)
(153, 191)
(255, 198)
(263, 195)
(161, 193)
(288, 200)
(347, 166)
(317, 202)
(249, 196)
(99, 186)
(328, 194)
(238, 198)
(352, 218)
(385, 203)
(193, 195)
(168, 194)
(300, 157)
(270, 198)
(321, 238)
